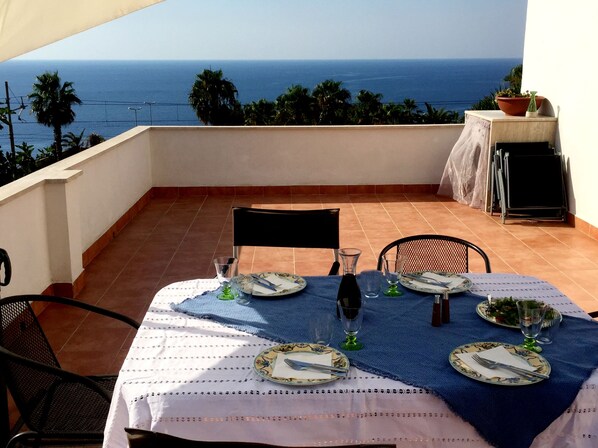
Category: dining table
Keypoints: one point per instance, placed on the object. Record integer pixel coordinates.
(193, 374)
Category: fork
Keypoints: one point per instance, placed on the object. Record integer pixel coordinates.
(263, 282)
(529, 374)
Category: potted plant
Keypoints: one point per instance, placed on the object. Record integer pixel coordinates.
(515, 103)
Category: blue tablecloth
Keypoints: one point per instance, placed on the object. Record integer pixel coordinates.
(401, 344)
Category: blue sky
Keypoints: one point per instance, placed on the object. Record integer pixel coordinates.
(304, 29)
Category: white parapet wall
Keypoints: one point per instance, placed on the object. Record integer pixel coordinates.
(301, 155)
(49, 218)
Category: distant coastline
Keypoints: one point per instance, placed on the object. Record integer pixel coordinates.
(109, 87)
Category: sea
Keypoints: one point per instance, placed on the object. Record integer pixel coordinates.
(118, 95)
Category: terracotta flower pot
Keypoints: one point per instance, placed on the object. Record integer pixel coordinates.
(516, 106)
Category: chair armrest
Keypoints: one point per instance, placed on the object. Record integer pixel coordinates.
(72, 302)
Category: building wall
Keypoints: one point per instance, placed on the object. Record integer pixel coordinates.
(561, 63)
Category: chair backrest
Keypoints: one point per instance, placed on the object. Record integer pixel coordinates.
(139, 438)
(286, 228)
(434, 253)
(22, 335)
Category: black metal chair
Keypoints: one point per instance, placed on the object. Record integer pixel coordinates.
(140, 438)
(56, 406)
(434, 253)
(287, 228)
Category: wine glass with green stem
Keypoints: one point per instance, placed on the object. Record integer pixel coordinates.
(226, 269)
(351, 318)
(531, 317)
(393, 265)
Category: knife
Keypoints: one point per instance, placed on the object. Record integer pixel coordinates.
(295, 364)
(263, 282)
(429, 281)
(515, 369)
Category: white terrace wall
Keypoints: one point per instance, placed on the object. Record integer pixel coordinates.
(113, 181)
(301, 155)
(23, 233)
(49, 218)
(560, 62)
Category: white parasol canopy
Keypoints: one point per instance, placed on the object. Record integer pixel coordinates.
(26, 25)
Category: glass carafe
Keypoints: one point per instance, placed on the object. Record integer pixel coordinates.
(349, 293)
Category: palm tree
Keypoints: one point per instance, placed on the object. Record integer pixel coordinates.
(52, 103)
(94, 139)
(410, 111)
(439, 116)
(406, 112)
(259, 113)
(368, 108)
(332, 102)
(74, 143)
(214, 99)
(295, 107)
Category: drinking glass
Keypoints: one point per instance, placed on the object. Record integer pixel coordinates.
(321, 328)
(393, 269)
(550, 328)
(226, 269)
(531, 316)
(369, 282)
(352, 319)
(241, 290)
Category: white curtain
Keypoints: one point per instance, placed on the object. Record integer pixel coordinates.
(464, 177)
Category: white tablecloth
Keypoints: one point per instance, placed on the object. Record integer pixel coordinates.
(194, 378)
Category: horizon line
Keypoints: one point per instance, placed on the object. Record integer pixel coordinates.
(19, 59)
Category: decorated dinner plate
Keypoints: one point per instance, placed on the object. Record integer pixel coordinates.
(482, 310)
(539, 363)
(264, 362)
(286, 284)
(416, 285)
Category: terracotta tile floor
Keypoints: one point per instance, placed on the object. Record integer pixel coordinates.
(176, 239)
